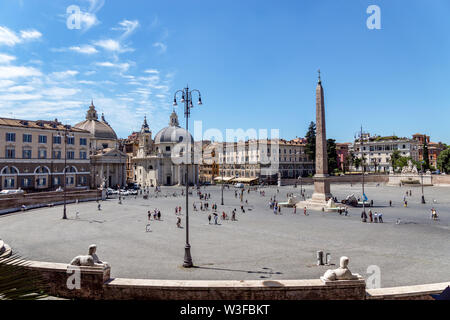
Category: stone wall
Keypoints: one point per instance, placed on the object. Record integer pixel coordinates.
(341, 179)
(417, 292)
(441, 180)
(13, 202)
(96, 284)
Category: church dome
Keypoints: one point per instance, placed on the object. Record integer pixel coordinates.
(99, 129)
(173, 133)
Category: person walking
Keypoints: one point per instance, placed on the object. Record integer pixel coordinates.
(390, 203)
(216, 217)
(178, 222)
(370, 216)
(363, 216)
(233, 215)
(295, 209)
(375, 217)
(149, 215)
(159, 215)
(380, 217)
(209, 219)
(304, 211)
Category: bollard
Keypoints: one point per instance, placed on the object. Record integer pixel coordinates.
(328, 259)
(320, 258)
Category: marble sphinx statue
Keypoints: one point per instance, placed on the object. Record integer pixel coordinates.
(90, 260)
(341, 273)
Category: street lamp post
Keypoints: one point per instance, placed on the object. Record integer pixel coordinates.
(421, 177)
(65, 170)
(186, 98)
(222, 186)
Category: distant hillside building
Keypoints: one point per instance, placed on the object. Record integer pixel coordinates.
(434, 148)
(378, 150)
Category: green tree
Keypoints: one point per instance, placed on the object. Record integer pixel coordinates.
(332, 155)
(395, 158)
(350, 160)
(311, 141)
(443, 161)
(357, 163)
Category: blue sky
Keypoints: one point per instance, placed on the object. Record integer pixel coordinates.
(255, 63)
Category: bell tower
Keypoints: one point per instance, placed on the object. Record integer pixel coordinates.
(145, 139)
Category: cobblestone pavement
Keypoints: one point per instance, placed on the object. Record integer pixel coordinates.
(260, 245)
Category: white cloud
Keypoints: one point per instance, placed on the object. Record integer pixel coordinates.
(88, 82)
(6, 83)
(8, 37)
(20, 89)
(11, 72)
(19, 97)
(152, 71)
(85, 49)
(30, 34)
(57, 93)
(112, 45)
(6, 58)
(128, 27)
(109, 44)
(107, 64)
(87, 20)
(162, 47)
(63, 74)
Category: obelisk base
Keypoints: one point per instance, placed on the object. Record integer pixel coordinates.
(320, 197)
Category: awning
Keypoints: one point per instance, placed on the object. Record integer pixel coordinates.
(226, 179)
(245, 180)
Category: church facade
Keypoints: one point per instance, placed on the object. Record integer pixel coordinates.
(108, 163)
(160, 161)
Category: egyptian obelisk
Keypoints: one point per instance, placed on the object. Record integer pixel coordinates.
(321, 182)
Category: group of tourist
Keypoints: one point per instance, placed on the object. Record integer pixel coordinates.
(376, 217)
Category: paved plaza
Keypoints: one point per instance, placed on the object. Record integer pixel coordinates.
(260, 245)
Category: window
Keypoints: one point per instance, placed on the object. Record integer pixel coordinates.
(70, 155)
(56, 154)
(83, 155)
(10, 153)
(42, 154)
(83, 180)
(42, 182)
(70, 140)
(42, 139)
(26, 154)
(83, 141)
(26, 182)
(168, 148)
(10, 137)
(10, 183)
(57, 140)
(27, 138)
(57, 181)
(105, 145)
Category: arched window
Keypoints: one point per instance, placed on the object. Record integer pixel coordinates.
(10, 170)
(42, 170)
(70, 170)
